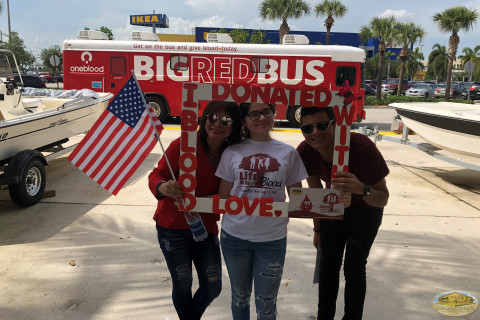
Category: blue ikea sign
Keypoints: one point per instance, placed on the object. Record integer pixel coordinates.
(150, 20)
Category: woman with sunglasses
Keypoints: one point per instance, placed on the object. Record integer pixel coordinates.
(254, 247)
(220, 127)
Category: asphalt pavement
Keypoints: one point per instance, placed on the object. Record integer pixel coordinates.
(85, 254)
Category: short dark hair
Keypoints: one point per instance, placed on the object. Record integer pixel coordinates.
(310, 111)
(233, 111)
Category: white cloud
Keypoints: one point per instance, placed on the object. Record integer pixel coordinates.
(402, 15)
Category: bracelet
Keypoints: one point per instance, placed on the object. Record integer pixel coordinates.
(159, 195)
(316, 230)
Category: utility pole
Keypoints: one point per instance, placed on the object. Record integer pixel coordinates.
(9, 27)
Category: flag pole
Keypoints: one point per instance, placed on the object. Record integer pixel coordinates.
(156, 133)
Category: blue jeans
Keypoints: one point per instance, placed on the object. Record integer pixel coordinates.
(257, 262)
(179, 250)
(355, 237)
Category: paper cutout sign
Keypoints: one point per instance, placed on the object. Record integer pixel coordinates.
(315, 203)
(192, 93)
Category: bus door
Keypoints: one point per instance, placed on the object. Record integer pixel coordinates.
(117, 74)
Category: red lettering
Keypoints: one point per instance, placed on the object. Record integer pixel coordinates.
(216, 205)
(262, 93)
(305, 98)
(191, 87)
(244, 97)
(344, 116)
(279, 96)
(182, 163)
(341, 156)
(266, 207)
(216, 95)
(249, 209)
(187, 177)
(191, 200)
(318, 95)
(189, 120)
(228, 205)
(184, 143)
(343, 135)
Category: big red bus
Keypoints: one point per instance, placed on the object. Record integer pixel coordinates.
(162, 67)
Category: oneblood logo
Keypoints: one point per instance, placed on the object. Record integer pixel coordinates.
(87, 58)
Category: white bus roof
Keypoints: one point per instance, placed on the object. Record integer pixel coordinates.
(336, 52)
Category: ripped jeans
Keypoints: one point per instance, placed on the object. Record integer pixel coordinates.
(179, 250)
(257, 262)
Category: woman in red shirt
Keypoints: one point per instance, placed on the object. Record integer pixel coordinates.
(219, 127)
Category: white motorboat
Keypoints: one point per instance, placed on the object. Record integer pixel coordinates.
(33, 120)
(450, 126)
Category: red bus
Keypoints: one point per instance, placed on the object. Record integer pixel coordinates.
(162, 67)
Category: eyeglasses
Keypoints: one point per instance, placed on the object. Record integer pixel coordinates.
(322, 126)
(255, 115)
(225, 120)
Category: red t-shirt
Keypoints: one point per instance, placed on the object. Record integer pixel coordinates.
(167, 214)
(365, 162)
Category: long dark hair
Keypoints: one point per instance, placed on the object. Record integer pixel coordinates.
(233, 111)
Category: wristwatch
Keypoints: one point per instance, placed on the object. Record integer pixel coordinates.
(366, 191)
(159, 195)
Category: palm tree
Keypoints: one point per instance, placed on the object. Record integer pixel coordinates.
(407, 34)
(470, 55)
(438, 61)
(330, 8)
(452, 21)
(384, 30)
(414, 63)
(283, 10)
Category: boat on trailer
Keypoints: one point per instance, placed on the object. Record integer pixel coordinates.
(450, 126)
(33, 120)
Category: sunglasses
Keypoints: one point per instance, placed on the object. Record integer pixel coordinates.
(321, 126)
(255, 115)
(225, 120)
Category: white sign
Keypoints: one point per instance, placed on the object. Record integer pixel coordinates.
(469, 66)
(55, 60)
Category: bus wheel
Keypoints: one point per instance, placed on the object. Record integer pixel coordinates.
(293, 116)
(29, 190)
(160, 107)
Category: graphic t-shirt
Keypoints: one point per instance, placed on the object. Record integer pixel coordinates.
(259, 170)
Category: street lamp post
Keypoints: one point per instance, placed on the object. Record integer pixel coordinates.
(9, 27)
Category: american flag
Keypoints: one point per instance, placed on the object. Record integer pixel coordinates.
(119, 140)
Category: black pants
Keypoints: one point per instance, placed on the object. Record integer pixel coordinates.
(354, 237)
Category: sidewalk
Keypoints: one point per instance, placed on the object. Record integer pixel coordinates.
(85, 254)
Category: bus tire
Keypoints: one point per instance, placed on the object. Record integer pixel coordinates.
(293, 116)
(160, 106)
(29, 190)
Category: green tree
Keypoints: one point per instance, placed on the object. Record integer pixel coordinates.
(384, 30)
(414, 63)
(473, 55)
(25, 59)
(283, 10)
(239, 35)
(45, 55)
(258, 36)
(331, 9)
(406, 35)
(105, 30)
(452, 21)
(437, 62)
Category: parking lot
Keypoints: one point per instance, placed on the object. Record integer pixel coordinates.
(85, 254)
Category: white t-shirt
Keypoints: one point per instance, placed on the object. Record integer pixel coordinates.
(258, 170)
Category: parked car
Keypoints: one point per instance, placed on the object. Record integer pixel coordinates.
(424, 90)
(47, 76)
(60, 77)
(474, 91)
(372, 83)
(456, 91)
(391, 85)
(369, 91)
(30, 80)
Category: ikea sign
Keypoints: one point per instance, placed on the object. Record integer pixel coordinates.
(150, 20)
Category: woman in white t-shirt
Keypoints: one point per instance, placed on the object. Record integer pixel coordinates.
(254, 247)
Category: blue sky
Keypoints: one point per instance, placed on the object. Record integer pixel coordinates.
(42, 23)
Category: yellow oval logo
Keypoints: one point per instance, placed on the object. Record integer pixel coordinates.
(455, 303)
(297, 191)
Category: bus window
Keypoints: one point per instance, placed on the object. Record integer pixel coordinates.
(118, 65)
(345, 73)
(179, 63)
(259, 65)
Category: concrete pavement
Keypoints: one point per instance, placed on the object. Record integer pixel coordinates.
(85, 254)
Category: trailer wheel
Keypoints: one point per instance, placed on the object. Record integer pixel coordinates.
(29, 190)
(159, 105)
(293, 116)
